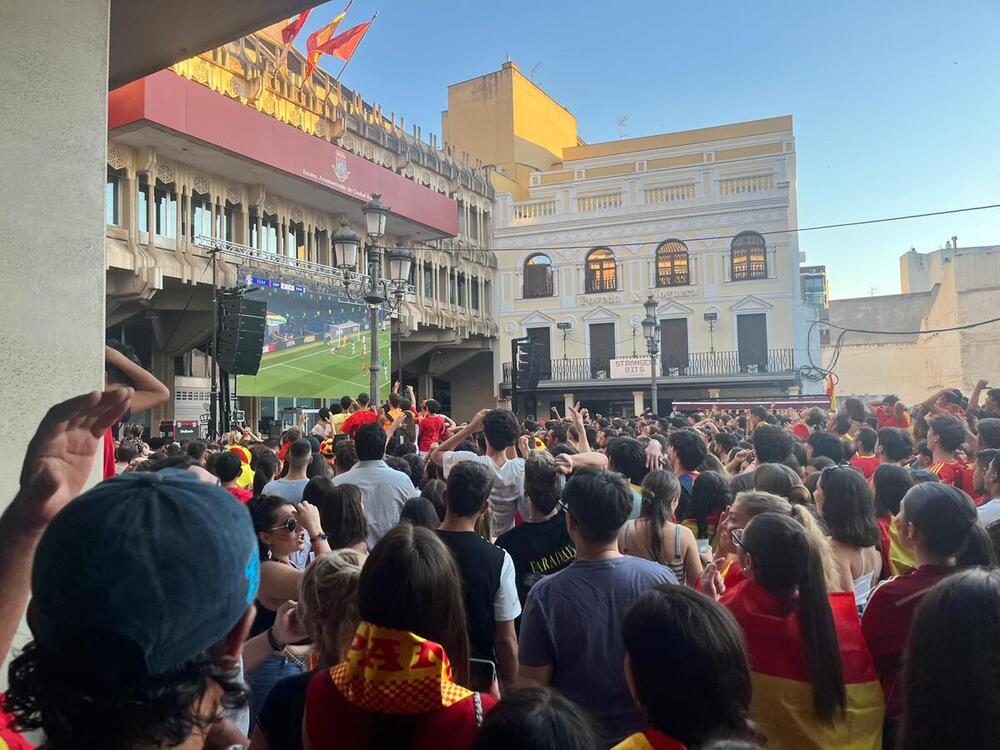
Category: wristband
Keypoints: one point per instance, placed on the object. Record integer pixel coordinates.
(275, 646)
(321, 537)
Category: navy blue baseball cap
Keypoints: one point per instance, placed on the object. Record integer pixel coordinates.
(162, 560)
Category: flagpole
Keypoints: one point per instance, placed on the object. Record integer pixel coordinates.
(367, 29)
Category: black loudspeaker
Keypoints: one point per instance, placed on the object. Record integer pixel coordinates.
(241, 334)
(529, 365)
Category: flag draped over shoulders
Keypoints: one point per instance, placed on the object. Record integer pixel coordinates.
(782, 705)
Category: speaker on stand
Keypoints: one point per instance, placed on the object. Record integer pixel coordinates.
(237, 346)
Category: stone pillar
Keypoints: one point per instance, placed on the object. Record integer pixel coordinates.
(568, 402)
(151, 210)
(55, 157)
(425, 386)
(260, 231)
(638, 402)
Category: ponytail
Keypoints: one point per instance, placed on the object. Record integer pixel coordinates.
(819, 636)
(977, 549)
(788, 563)
(660, 489)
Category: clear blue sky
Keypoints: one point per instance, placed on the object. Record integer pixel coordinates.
(896, 104)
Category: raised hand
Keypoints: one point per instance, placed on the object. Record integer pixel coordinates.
(564, 464)
(307, 515)
(654, 455)
(288, 627)
(523, 446)
(61, 454)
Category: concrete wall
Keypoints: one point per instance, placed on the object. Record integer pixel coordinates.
(472, 387)
(53, 161)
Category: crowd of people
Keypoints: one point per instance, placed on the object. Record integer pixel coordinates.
(392, 578)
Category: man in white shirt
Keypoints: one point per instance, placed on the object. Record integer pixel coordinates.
(986, 479)
(385, 490)
(501, 430)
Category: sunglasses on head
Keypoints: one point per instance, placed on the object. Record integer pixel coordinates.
(290, 525)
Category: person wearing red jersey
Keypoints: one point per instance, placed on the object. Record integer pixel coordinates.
(364, 415)
(891, 413)
(945, 435)
(939, 523)
(864, 459)
(433, 426)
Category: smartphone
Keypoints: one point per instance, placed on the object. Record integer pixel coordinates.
(482, 673)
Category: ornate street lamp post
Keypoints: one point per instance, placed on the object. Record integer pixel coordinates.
(651, 330)
(377, 292)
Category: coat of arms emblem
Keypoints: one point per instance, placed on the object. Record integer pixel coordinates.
(340, 166)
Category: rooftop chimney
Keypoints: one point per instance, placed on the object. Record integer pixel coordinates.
(954, 242)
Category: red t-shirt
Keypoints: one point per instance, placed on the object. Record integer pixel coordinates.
(865, 464)
(433, 429)
(334, 722)
(241, 494)
(357, 420)
(801, 431)
(888, 418)
(888, 616)
(956, 473)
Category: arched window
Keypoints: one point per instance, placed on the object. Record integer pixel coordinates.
(672, 264)
(538, 276)
(748, 257)
(601, 271)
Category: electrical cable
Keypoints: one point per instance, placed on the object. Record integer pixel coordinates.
(816, 373)
(797, 230)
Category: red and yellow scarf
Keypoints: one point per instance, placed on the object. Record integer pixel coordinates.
(396, 672)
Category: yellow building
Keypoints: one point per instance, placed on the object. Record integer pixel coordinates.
(585, 233)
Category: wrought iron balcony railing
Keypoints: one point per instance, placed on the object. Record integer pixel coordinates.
(695, 364)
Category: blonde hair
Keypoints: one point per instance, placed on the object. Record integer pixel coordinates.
(755, 502)
(328, 601)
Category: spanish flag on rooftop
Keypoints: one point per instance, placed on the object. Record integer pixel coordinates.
(782, 705)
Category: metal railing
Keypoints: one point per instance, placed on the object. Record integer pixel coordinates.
(695, 364)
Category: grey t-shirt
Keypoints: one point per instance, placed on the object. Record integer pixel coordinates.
(573, 620)
(289, 489)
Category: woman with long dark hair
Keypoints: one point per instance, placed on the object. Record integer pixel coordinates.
(710, 496)
(814, 684)
(264, 470)
(890, 483)
(655, 536)
(950, 689)
(403, 684)
(845, 501)
(342, 514)
(940, 524)
(708, 690)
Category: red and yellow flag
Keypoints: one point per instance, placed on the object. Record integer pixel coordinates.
(782, 705)
(293, 28)
(343, 45)
(320, 37)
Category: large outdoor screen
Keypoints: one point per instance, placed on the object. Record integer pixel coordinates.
(315, 343)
